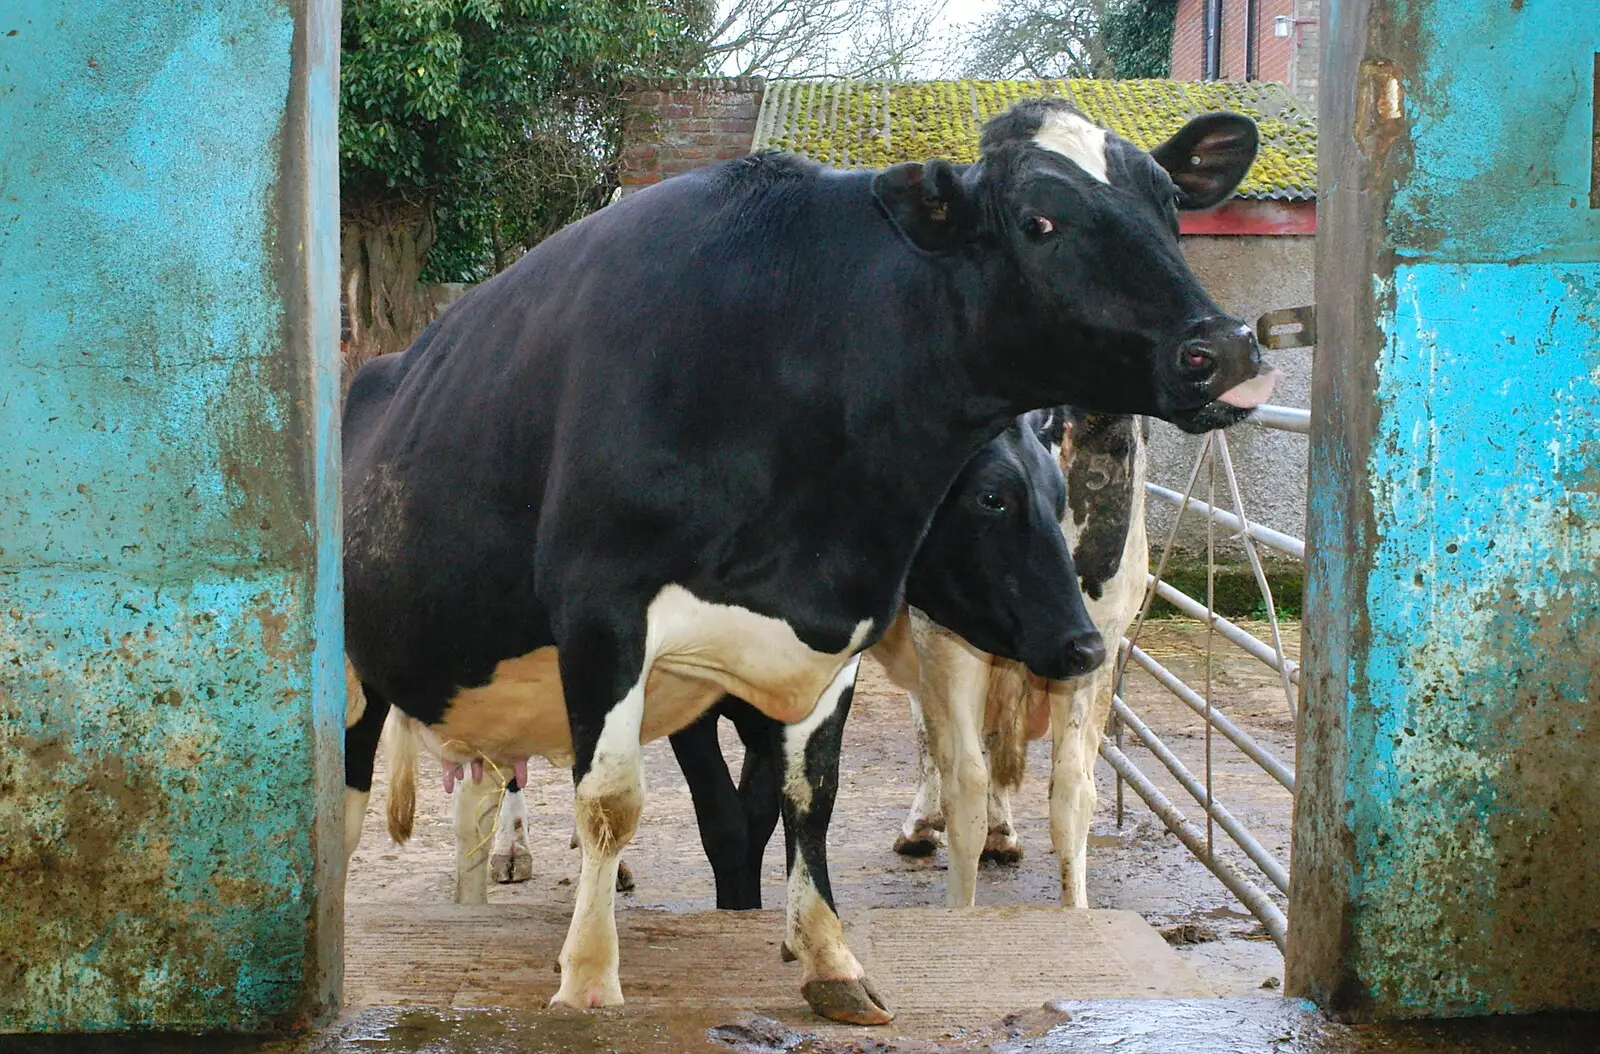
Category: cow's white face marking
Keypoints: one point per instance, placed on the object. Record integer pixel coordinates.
(1077, 139)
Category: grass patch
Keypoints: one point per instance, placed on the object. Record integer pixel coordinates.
(1236, 593)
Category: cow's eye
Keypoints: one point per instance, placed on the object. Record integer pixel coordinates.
(992, 501)
(1039, 226)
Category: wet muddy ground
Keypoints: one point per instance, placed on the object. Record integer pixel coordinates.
(1138, 867)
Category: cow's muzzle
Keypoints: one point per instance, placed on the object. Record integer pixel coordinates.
(1077, 655)
(1219, 361)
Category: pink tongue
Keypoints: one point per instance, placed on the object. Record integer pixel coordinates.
(520, 767)
(1251, 393)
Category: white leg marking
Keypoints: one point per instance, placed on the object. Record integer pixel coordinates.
(1076, 721)
(1077, 139)
(955, 682)
(1001, 843)
(355, 810)
(475, 807)
(609, 799)
(815, 934)
(796, 736)
(921, 831)
(512, 860)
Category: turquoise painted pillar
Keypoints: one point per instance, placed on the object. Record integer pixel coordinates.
(171, 692)
(1447, 837)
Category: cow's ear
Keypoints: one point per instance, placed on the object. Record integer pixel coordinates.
(929, 202)
(1208, 157)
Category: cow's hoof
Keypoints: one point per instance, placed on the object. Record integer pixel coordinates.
(1002, 847)
(599, 993)
(853, 1002)
(624, 877)
(922, 841)
(513, 866)
(785, 954)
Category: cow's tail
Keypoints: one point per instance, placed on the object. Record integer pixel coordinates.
(401, 740)
(1006, 721)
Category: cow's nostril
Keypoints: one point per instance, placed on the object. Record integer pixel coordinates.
(1090, 651)
(1196, 357)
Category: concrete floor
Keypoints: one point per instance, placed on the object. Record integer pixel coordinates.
(1249, 1025)
(426, 977)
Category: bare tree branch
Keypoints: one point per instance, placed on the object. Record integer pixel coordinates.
(1039, 38)
(785, 39)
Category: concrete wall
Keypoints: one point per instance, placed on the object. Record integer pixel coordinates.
(1248, 276)
(1447, 830)
(171, 692)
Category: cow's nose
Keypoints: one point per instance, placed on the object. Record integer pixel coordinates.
(1085, 652)
(1218, 343)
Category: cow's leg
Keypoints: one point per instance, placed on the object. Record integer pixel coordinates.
(833, 981)
(605, 714)
(511, 860)
(919, 835)
(1001, 845)
(955, 686)
(477, 806)
(365, 713)
(717, 809)
(1076, 720)
(760, 786)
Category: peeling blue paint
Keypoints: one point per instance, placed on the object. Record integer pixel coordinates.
(1502, 139)
(1482, 594)
(171, 696)
(1446, 840)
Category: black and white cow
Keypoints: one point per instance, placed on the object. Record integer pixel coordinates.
(689, 445)
(975, 711)
(994, 566)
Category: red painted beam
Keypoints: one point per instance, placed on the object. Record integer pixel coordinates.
(1252, 217)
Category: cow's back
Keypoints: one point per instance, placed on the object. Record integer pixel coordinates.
(634, 383)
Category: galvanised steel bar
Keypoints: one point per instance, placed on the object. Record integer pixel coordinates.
(1276, 873)
(1235, 735)
(1247, 641)
(1249, 894)
(1284, 543)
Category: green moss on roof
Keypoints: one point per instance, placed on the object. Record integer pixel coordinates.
(870, 124)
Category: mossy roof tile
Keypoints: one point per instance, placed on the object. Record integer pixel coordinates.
(870, 124)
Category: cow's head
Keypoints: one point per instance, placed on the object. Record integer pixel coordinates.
(1092, 301)
(994, 567)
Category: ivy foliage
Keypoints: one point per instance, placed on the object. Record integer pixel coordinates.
(1138, 36)
(499, 118)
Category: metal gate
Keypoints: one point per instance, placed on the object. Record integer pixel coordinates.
(1213, 465)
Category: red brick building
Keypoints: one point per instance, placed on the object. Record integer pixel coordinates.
(1215, 40)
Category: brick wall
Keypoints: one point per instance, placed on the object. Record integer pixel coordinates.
(1189, 41)
(1305, 53)
(1273, 54)
(673, 125)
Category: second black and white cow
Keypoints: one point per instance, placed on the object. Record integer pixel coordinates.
(995, 568)
(976, 711)
(688, 446)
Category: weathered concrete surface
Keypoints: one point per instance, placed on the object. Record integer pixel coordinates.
(1260, 1025)
(1446, 844)
(1247, 276)
(171, 695)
